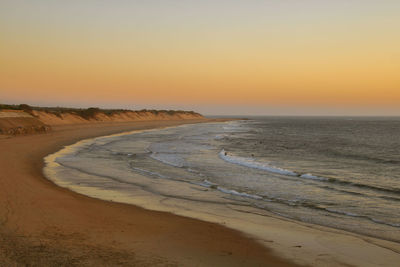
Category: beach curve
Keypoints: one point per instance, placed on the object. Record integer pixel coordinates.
(300, 242)
(46, 225)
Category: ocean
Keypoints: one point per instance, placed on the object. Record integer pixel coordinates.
(338, 172)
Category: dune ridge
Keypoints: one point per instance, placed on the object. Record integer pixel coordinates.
(23, 119)
(121, 116)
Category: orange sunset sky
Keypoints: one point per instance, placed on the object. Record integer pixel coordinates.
(216, 57)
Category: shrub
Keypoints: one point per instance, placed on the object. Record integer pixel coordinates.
(89, 113)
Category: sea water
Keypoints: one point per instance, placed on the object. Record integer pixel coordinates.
(342, 172)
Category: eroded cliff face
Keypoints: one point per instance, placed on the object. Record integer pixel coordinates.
(124, 116)
(15, 122)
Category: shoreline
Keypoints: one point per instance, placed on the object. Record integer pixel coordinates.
(300, 242)
(43, 224)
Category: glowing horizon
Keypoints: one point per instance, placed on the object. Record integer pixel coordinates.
(272, 57)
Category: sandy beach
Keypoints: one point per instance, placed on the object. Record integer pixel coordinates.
(44, 225)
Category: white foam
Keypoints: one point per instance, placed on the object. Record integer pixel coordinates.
(382, 222)
(236, 193)
(344, 213)
(251, 163)
(207, 183)
(313, 177)
(363, 216)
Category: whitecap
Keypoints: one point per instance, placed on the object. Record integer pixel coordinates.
(251, 163)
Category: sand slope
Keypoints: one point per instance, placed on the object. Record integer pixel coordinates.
(19, 122)
(15, 122)
(125, 116)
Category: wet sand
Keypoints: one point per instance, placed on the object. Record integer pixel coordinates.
(42, 224)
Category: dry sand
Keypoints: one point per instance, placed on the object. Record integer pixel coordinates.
(44, 225)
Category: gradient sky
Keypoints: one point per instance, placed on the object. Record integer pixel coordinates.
(217, 57)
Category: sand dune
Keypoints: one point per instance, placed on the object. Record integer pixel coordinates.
(125, 116)
(18, 122)
(14, 122)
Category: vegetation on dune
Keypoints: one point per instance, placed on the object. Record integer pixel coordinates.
(89, 113)
(169, 112)
(25, 125)
(16, 107)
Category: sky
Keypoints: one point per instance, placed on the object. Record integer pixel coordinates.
(250, 57)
